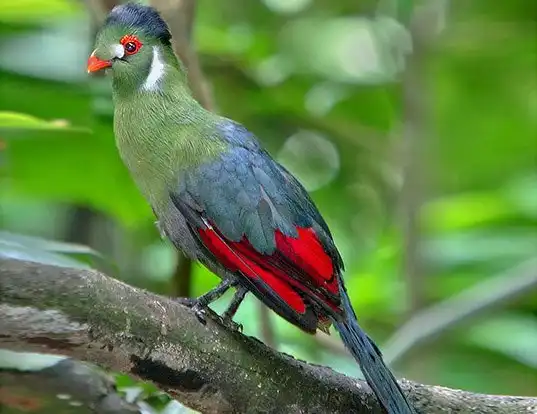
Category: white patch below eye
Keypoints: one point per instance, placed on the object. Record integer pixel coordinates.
(156, 72)
(118, 50)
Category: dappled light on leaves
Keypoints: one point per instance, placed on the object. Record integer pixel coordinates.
(57, 51)
(287, 6)
(240, 37)
(353, 50)
(272, 70)
(311, 157)
(321, 98)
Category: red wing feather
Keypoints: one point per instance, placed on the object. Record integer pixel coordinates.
(234, 261)
(308, 255)
(298, 265)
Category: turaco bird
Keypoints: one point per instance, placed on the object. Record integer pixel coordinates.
(222, 199)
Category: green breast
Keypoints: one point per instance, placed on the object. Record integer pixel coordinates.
(158, 136)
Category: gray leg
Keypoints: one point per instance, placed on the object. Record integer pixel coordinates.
(227, 316)
(199, 304)
(235, 303)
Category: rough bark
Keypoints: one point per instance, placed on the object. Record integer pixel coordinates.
(91, 317)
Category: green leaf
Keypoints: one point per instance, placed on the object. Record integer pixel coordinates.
(465, 210)
(174, 407)
(68, 167)
(49, 245)
(27, 361)
(523, 193)
(17, 125)
(81, 252)
(404, 9)
(486, 246)
(514, 335)
(38, 250)
(26, 11)
(148, 397)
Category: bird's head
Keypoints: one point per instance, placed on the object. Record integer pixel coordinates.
(133, 36)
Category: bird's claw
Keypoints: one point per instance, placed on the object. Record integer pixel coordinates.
(200, 307)
(196, 306)
(199, 311)
(229, 323)
(188, 302)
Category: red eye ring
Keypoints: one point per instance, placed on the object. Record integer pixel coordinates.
(131, 44)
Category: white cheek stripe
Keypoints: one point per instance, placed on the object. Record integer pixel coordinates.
(118, 50)
(156, 72)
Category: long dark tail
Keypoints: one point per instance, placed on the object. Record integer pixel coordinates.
(367, 354)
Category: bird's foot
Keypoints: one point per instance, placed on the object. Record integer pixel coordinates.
(201, 312)
(229, 314)
(228, 322)
(200, 305)
(197, 307)
(188, 302)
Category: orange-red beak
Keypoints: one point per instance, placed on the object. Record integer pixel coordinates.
(95, 64)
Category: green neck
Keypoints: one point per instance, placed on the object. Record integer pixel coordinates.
(161, 73)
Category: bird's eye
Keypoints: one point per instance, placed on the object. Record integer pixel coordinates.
(130, 47)
(131, 44)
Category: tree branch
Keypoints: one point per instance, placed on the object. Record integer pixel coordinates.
(89, 316)
(416, 137)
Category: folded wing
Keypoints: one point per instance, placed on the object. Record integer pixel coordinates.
(254, 218)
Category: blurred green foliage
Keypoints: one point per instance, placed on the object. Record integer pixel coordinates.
(321, 84)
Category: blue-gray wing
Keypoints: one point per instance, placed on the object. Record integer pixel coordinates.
(256, 219)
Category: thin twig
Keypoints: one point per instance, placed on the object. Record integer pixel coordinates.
(470, 303)
(80, 223)
(430, 323)
(110, 4)
(331, 344)
(415, 137)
